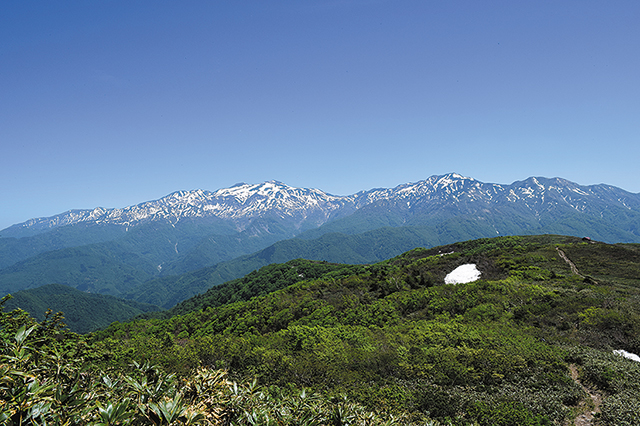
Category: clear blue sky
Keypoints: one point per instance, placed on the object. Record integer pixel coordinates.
(112, 103)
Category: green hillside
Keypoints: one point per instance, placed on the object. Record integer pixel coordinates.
(359, 248)
(369, 247)
(118, 267)
(13, 250)
(92, 268)
(530, 343)
(396, 339)
(257, 283)
(83, 312)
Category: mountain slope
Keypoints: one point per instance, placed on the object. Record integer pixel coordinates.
(87, 268)
(518, 346)
(237, 205)
(13, 250)
(535, 205)
(84, 312)
(302, 208)
(138, 255)
(368, 247)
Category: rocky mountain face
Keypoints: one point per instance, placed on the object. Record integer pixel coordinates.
(535, 195)
(124, 251)
(535, 205)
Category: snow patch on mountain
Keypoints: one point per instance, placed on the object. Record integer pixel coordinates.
(463, 274)
(627, 355)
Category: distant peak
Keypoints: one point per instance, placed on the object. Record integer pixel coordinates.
(450, 179)
(272, 184)
(456, 176)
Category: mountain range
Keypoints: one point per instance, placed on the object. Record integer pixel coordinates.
(302, 208)
(165, 251)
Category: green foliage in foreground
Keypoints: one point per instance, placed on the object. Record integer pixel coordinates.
(48, 377)
(395, 339)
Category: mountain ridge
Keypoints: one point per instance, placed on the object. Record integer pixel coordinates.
(239, 202)
(243, 201)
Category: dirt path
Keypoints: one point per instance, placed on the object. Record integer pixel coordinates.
(573, 267)
(587, 409)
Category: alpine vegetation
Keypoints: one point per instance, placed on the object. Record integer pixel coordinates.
(544, 336)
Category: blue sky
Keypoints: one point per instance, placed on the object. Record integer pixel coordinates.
(113, 103)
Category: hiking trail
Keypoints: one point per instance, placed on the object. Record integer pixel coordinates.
(588, 409)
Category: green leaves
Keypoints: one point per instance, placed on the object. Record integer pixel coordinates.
(114, 414)
(22, 334)
(392, 337)
(167, 411)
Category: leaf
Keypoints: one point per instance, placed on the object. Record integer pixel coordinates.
(23, 333)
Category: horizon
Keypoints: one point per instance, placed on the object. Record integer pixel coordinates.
(284, 183)
(113, 104)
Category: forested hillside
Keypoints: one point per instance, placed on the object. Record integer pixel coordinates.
(370, 247)
(537, 340)
(84, 312)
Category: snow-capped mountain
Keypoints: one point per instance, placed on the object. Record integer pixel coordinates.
(240, 203)
(535, 194)
(308, 208)
(451, 188)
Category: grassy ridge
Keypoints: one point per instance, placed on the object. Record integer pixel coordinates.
(393, 337)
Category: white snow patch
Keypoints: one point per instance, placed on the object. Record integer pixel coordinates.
(463, 274)
(626, 354)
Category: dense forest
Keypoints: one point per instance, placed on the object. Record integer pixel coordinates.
(314, 343)
(83, 312)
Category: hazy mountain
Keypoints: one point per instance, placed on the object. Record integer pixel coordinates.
(302, 208)
(527, 205)
(299, 209)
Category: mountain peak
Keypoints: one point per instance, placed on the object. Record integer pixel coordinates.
(457, 176)
(245, 191)
(451, 179)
